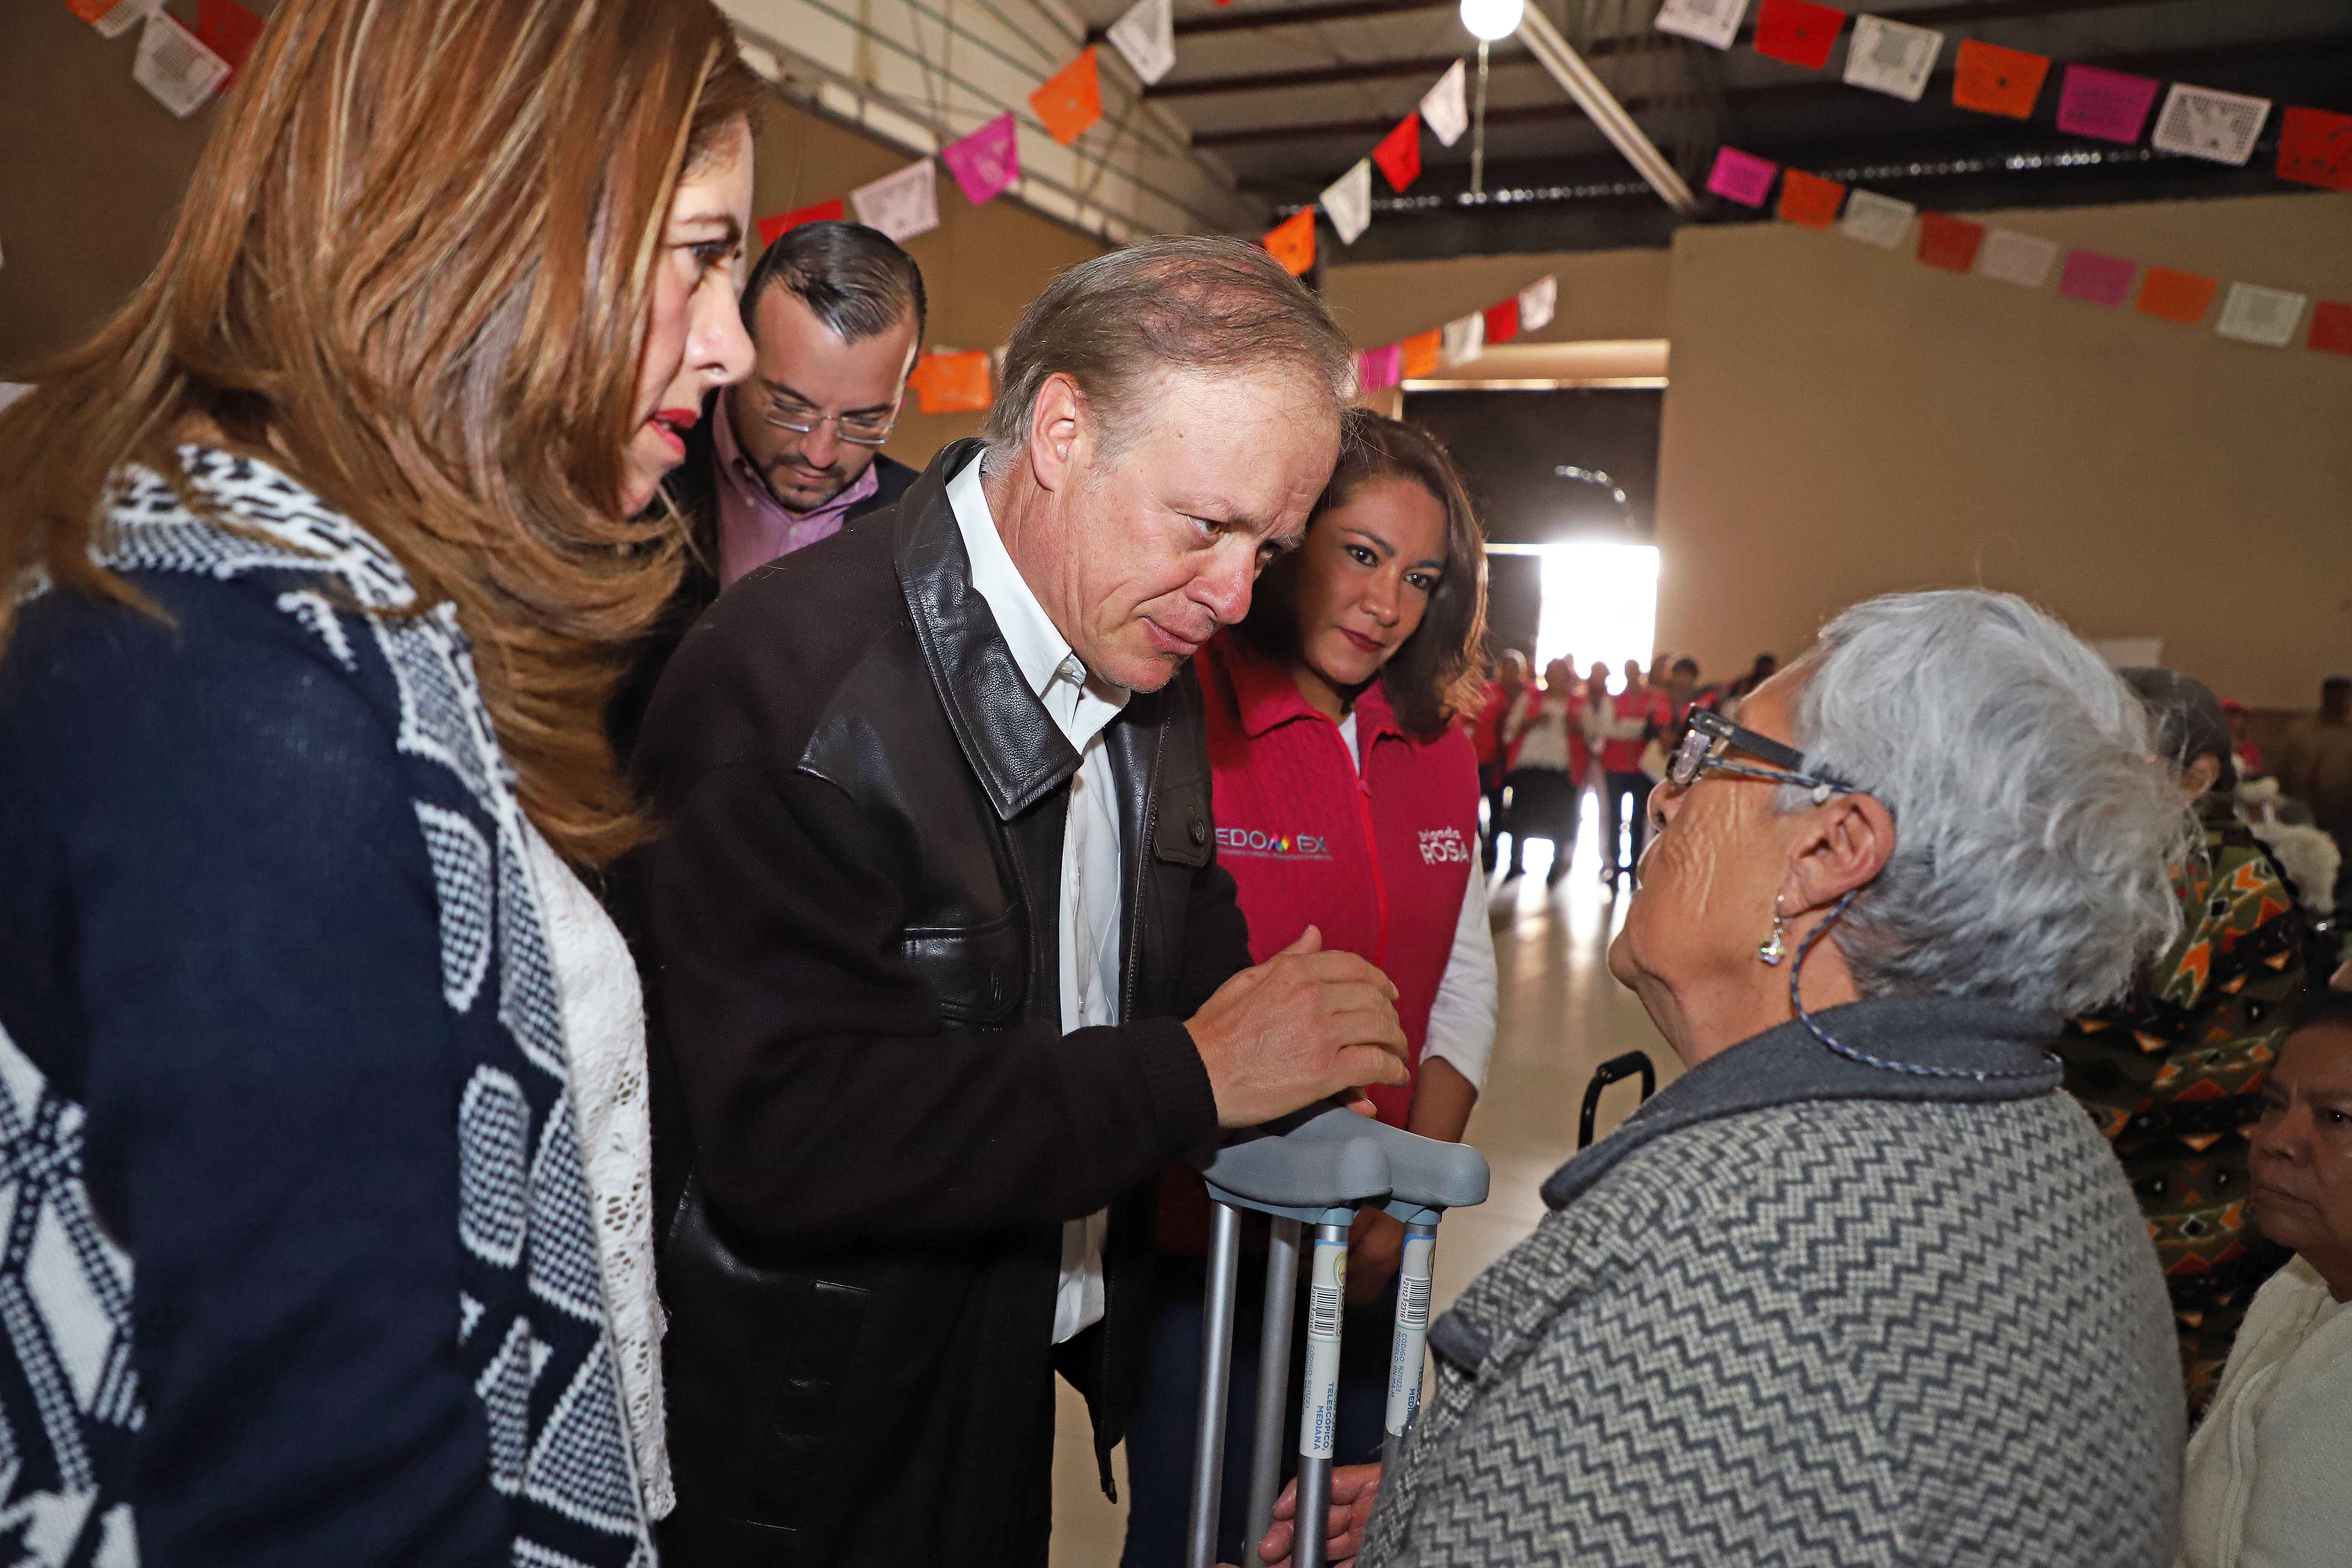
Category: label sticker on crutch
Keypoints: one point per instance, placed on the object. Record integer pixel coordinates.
(1411, 1331)
(1319, 1421)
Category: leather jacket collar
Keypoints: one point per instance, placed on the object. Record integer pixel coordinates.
(1014, 748)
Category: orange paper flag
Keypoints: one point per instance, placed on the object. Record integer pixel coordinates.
(951, 383)
(229, 30)
(1950, 242)
(1292, 241)
(2182, 297)
(1809, 199)
(783, 223)
(1419, 353)
(1994, 80)
(1070, 100)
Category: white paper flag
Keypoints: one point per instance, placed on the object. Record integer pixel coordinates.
(1876, 220)
(2023, 259)
(125, 14)
(1146, 36)
(1537, 301)
(1348, 201)
(1465, 340)
(2203, 123)
(181, 72)
(12, 390)
(2253, 314)
(901, 205)
(1709, 21)
(1892, 56)
(1443, 108)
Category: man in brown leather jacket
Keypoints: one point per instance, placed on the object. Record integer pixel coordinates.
(942, 968)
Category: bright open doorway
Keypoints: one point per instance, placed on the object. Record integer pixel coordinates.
(1600, 603)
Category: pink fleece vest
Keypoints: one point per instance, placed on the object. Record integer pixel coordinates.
(1378, 861)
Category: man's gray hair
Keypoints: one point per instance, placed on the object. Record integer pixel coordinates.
(2034, 832)
(1195, 303)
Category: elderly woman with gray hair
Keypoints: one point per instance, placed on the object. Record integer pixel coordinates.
(1862, 1286)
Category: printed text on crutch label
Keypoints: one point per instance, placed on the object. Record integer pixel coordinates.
(1411, 1331)
(1319, 1421)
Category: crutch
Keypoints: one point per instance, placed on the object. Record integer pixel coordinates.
(1316, 1168)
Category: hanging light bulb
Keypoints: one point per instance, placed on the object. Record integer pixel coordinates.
(1493, 19)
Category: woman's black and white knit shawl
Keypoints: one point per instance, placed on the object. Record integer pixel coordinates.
(531, 1319)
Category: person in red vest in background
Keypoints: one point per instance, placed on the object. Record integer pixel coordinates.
(1549, 761)
(1346, 800)
(1683, 694)
(1623, 724)
(1495, 752)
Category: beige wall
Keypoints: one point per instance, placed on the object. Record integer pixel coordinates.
(90, 177)
(1604, 294)
(980, 266)
(1843, 422)
(96, 169)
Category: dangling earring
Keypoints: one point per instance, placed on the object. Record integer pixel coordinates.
(1775, 948)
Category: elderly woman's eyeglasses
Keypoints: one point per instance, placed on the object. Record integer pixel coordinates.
(1706, 749)
(862, 429)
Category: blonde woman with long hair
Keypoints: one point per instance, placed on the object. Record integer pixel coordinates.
(322, 1085)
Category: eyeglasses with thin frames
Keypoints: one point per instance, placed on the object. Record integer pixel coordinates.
(859, 430)
(1706, 749)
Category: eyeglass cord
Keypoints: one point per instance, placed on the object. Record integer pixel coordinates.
(1916, 1069)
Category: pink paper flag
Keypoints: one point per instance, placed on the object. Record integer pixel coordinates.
(2104, 104)
(985, 162)
(1381, 367)
(2095, 277)
(1741, 176)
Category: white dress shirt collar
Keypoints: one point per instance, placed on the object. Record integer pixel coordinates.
(1038, 645)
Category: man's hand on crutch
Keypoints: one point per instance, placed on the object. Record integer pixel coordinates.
(1353, 1488)
(1303, 1026)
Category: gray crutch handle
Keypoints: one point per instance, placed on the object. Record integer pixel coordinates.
(1424, 1173)
(1284, 1169)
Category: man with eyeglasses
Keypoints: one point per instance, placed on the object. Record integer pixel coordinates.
(788, 456)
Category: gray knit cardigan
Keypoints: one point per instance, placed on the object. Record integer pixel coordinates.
(1803, 1309)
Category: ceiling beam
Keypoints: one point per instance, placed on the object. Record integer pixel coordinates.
(1267, 18)
(1327, 76)
(1783, 95)
(1226, 21)
(1631, 43)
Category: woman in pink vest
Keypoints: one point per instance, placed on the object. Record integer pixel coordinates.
(1346, 799)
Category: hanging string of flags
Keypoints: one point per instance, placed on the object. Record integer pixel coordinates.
(1348, 201)
(1462, 339)
(181, 69)
(1897, 59)
(2250, 312)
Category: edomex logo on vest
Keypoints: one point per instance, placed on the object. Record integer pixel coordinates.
(1274, 846)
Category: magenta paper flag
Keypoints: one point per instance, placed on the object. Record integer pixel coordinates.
(2096, 278)
(2104, 104)
(1382, 367)
(985, 162)
(1742, 177)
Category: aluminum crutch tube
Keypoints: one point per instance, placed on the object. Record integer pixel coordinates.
(1411, 1340)
(1318, 1417)
(1272, 1379)
(1216, 1366)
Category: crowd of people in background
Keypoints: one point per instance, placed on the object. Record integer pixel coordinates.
(1542, 746)
(591, 969)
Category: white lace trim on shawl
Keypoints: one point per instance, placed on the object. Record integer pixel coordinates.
(605, 1031)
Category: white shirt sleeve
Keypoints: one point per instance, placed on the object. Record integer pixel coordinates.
(1462, 1018)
